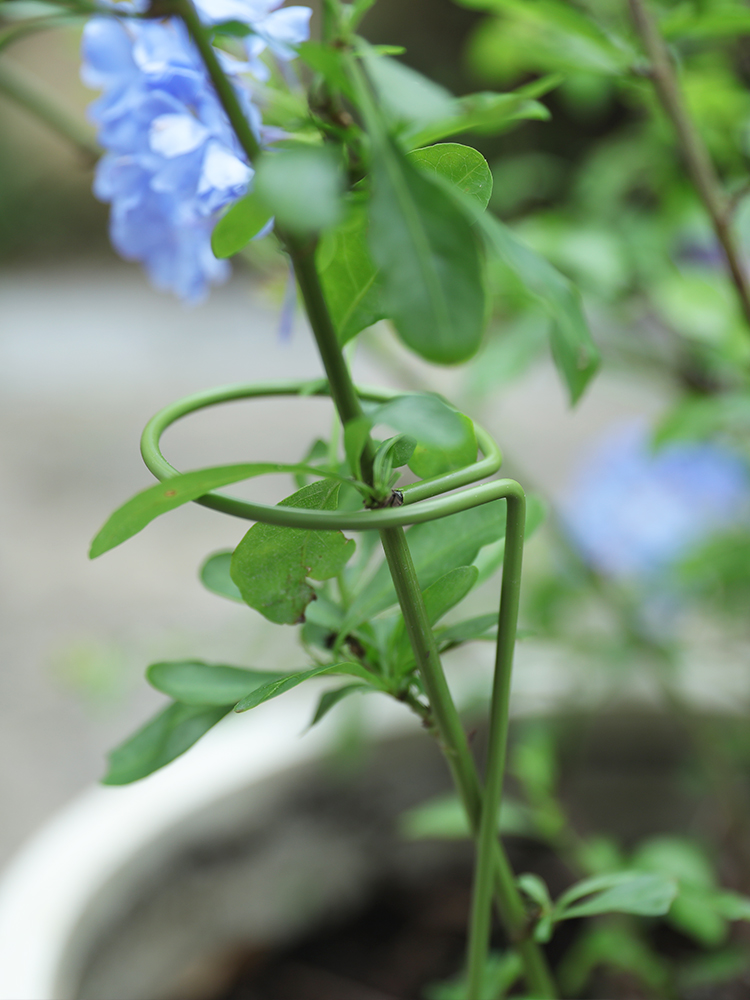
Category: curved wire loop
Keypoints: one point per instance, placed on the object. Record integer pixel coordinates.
(419, 494)
(419, 506)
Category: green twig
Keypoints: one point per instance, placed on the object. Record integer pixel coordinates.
(447, 722)
(694, 152)
(496, 871)
(224, 89)
(346, 401)
(25, 92)
(330, 20)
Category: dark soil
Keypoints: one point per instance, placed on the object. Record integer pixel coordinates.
(399, 942)
(403, 941)
(405, 938)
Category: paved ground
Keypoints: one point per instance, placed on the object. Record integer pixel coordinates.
(87, 354)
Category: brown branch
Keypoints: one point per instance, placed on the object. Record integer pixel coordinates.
(694, 152)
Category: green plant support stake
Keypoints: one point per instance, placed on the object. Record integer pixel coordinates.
(422, 502)
(418, 507)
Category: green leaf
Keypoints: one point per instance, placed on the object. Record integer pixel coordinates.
(431, 268)
(485, 113)
(436, 547)
(349, 276)
(139, 511)
(701, 909)
(693, 911)
(391, 454)
(405, 96)
(162, 739)
(544, 35)
(703, 21)
(242, 222)
(271, 564)
(326, 60)
(501, 970)
(536, 889)
(472, 628)
(677, 857)
(214, 575)
(573, 350)
(403, 449)
(283, 684)
(648, 895)
(619, 946)
(508, 352)
(357, 11)
(302, 187)
(318, 456)
(694, 914)
(731, 905)
(439, 598)
(193, 682)
(534, 762)
(697, 418)
(462, 166)
(445, 438)
(444, 818)
(234, 29)
(382, 465)
(356, 433)
(329, 699)
(322, 623)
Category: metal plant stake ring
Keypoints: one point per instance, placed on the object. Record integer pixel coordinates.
(293, 517)
(418, 507)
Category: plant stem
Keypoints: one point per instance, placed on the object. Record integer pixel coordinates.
(695, 154)
(224, 89)
(496, 870)
(330, 19)
(344, 396)
(451, 735)
(26, 93)
(447, 721)
(343, 393)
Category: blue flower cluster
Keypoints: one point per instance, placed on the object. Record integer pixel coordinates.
(633, 513)
(172, 161)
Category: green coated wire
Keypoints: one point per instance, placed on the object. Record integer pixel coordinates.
(419, 507)
(481, 910)
(389, 521)
(292, 517)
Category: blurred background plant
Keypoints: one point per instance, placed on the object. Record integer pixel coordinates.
(641, 576)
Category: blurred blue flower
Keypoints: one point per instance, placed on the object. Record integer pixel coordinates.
(633, 512)
(172, 161)
(272, 26)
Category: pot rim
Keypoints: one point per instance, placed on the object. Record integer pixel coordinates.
(49, 883)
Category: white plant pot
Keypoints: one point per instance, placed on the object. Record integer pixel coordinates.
(136, 893)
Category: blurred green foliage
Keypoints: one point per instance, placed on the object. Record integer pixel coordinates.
(45, 215)
(602, 190)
